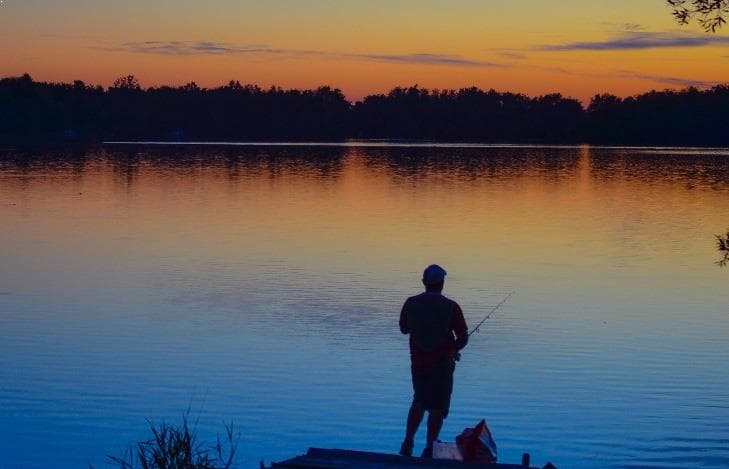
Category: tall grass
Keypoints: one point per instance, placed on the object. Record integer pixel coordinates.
(178, 447)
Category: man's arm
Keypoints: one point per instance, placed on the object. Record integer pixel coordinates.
(404, 320)
(459, 327)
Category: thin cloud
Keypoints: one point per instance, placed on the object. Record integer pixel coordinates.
(668, 80)
(512, 55)
(186, 48)
(68, 36)
(190, 48)
(637, 40)
(622, 27)
(429, 59)
(633, 27)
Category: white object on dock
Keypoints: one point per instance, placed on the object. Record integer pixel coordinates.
(448, 451)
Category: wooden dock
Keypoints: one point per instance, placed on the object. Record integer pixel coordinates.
(345, 459)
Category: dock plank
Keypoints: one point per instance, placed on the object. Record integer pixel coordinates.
(320, 458)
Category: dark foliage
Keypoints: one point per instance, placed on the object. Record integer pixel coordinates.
(687, 117)
(32, 111)
(722, 244)
(711, 14)
(469, 114)
(178, 448)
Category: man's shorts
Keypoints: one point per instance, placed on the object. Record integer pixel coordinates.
(433, 386)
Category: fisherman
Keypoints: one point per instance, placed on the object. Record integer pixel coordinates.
(437, 332)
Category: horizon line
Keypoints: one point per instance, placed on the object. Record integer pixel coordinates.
(384, 143)
(698, 85)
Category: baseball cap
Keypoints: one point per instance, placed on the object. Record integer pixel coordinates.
(433, 274)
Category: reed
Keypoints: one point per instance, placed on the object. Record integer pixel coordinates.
(178, 447)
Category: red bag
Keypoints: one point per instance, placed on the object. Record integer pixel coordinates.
(476, 444)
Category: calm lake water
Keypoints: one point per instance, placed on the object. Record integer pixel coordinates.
(262, 285)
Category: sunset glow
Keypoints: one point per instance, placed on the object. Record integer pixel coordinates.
(574, 47)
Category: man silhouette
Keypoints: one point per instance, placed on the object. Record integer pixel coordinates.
(437, 332)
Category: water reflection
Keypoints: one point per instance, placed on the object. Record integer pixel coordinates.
(667, 165)
(136, 279)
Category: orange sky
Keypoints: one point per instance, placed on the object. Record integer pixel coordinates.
(575, 47)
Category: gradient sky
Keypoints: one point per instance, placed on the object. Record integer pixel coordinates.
(575, 47)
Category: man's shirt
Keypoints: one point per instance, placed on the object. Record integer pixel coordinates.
(436, 326)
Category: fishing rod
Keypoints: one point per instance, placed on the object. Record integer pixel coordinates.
(493, 310)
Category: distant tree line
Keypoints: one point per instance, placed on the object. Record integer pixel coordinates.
(33, 111)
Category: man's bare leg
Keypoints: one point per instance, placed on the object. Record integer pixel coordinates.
(415, 416)
(435, 423)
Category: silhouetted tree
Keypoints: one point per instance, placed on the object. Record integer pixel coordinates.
(468, 114)
(32, 110)
(686, 117)
(235, 85)
(190, 87)
(710, 14)
(128, 82)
